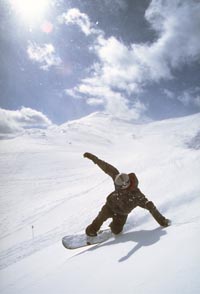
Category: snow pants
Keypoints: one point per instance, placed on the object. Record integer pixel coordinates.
(117, 224)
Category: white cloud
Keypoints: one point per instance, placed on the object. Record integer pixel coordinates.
(45, 55)
(95, 101)
(169, 93)
(190, 97)
(123, 71)
(185, 98)
(177, 24)
(114, 102)
(118, 66)
(74, 16)
(14, 121)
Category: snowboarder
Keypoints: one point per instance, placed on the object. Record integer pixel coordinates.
(122, 201)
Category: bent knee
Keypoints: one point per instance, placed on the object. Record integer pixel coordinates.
(116, 230)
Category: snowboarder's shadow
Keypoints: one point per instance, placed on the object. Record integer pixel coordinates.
(142, 238)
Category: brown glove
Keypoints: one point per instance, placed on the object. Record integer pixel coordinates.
(90, 156)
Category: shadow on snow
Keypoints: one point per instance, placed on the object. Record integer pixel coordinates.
(142, 239)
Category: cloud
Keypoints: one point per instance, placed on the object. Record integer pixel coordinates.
(169, 93)
(109, 73)
(45, 55)
(190, 97)
(118, 68)
(114, 102)
(122, 71)
(95, 101)
(15, 121)
(177, 25)
(74, 16)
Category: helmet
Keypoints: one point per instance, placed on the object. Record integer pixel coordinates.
(122, 181)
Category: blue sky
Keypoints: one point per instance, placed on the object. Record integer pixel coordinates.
(61, 60)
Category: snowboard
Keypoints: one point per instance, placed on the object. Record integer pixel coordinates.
(81, 240)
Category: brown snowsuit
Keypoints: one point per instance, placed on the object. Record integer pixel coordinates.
(120, 203)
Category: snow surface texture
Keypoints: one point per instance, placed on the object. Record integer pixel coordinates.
(48, 190)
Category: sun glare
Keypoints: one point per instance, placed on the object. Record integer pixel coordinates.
(30, 10)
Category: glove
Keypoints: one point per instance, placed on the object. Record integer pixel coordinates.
(90, 156)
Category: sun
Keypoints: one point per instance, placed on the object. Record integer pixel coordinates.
(30, 10)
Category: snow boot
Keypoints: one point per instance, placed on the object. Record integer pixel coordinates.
(90, 231)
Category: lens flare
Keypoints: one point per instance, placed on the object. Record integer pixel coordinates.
(47, 27)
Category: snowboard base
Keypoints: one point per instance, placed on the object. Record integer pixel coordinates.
(81, 240)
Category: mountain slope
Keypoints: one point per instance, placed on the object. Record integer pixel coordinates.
(49, 190)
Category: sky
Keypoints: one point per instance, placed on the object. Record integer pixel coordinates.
(62, 60)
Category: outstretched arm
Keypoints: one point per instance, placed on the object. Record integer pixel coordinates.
(149, 205)
(106, 167)
(156, 214)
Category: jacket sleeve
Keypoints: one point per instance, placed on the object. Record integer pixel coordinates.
(149, 205)
(106, 167)
(142, 199)
(144, 202)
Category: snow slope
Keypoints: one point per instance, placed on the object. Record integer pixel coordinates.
(48, 190)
